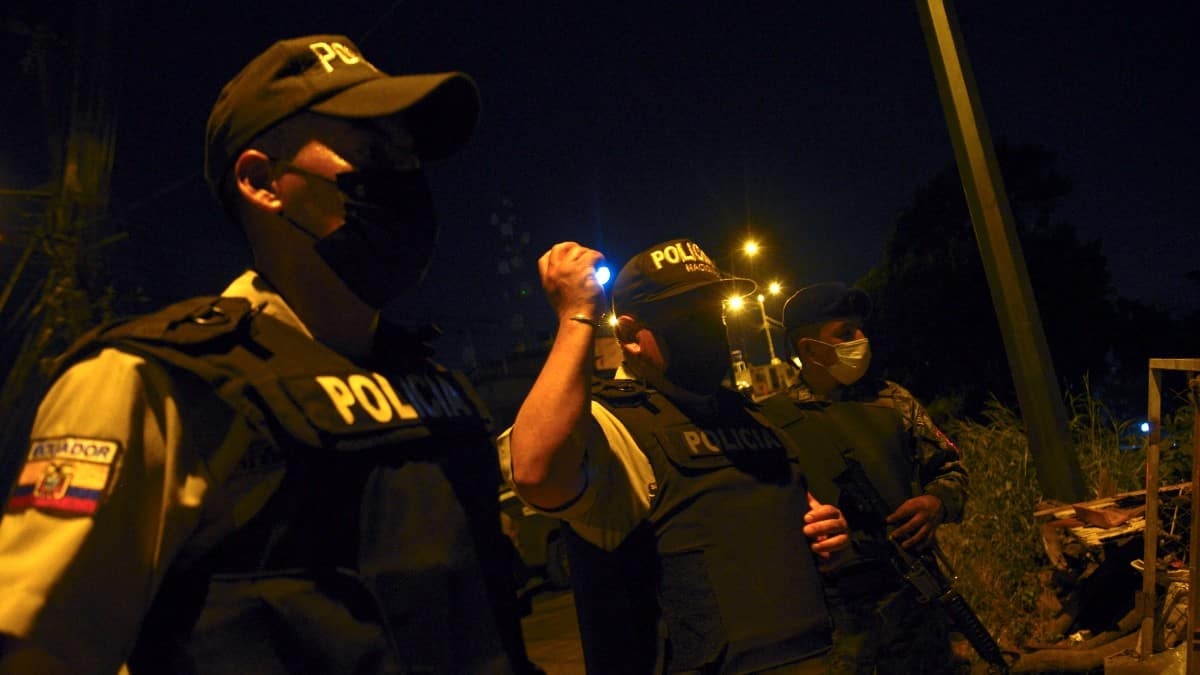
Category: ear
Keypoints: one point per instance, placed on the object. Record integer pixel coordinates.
(805, 348)
(255, 181)
(627, 329)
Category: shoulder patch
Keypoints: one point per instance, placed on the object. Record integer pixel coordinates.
(68, 475)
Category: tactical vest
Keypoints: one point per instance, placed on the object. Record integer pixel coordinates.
(737, 583)
(874, 436)
(380, 552)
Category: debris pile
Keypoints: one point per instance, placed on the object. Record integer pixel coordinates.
(1096, 575)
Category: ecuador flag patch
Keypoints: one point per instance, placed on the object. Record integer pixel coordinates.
(69, 475)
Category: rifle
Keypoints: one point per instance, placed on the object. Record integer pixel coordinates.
(868, 512)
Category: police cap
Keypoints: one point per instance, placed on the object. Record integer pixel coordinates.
(669, 269)
(822, 302)
(327, 74)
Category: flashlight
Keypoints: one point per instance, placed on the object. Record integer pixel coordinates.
(603, 274)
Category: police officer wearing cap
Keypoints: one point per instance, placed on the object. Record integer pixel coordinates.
(664, 451)
(879, 624)
(274, 480)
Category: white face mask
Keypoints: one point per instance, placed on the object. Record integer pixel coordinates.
(853, 358)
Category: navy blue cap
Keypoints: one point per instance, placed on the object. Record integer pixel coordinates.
(669, 269)
(327, 74)
(823, 302)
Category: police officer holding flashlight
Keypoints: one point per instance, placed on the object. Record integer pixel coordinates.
(665, 451)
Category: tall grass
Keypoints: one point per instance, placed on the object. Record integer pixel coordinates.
(997, 551)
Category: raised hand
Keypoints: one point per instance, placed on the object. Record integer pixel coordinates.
(568, 272)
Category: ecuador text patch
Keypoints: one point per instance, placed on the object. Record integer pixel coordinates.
(65, 474)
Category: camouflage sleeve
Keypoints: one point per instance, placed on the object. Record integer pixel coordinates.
(938, 460)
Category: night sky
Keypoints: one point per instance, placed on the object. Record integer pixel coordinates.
(620, 124)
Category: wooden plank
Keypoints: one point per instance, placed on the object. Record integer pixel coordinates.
(1193, 655)
(1175, 364)
(1150, 540)
(1069, 509)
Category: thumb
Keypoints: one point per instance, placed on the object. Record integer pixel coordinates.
(813, 505)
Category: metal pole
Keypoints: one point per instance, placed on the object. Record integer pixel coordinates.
(1025, 343)
(766, 326)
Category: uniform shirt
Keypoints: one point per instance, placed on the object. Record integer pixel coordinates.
(128, 469)
(615, 467)
(933, 453)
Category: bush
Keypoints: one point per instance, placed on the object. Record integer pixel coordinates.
(997, 551)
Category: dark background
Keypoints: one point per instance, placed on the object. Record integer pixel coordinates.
(620, 124)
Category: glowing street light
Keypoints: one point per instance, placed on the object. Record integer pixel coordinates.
(750, 248)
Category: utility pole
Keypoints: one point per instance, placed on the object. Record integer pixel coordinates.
(1038, 394)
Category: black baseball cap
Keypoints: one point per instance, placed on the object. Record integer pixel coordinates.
(666, 270)
(327, 74)
(823, 302)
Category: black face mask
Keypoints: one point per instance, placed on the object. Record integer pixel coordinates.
(697, 352)
(386, 244)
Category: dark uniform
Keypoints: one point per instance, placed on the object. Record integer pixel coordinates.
(736, 583)
(879, 623)
(672, 461)
(934, 457)
(350, 525)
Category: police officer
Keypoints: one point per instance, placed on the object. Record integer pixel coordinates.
(275, 480)
(664, 450)
(879, 624)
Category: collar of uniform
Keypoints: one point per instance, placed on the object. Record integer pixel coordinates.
(689, 402)
(801, 392)
(263, 297)
(866, 389)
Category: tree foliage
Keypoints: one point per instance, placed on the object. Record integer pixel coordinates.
(934, 317)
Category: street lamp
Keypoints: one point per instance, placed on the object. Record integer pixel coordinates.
(766, 325)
